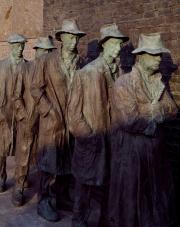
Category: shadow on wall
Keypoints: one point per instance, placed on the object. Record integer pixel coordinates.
(127, 59)
(167, 67)
(93, 51)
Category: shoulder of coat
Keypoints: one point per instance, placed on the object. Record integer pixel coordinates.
(94, 66)
(5, 63)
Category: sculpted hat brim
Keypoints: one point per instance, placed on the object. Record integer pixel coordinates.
(45, 43)
(44, 47)
(69, 26)
(124, 39)
(150, 43)
(151, 51)
(60, 32)
(111, 31)
(17, 38)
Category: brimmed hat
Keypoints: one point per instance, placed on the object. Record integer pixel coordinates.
(111, 31)
(69, 26)
(45, 43)
(151, 44)
(16, 38)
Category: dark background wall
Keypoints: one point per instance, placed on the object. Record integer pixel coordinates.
(132, 16)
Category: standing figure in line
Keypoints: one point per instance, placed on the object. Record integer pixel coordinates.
(8, 68)
(50, 90)
(140, 185)
(27, 119)
(89, 121)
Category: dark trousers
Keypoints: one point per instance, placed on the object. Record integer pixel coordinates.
(3, 174)
(82, 204)
(47, 188)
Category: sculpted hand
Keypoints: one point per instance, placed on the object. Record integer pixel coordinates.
(157, 112)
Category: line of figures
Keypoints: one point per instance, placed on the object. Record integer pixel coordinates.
(91, 128)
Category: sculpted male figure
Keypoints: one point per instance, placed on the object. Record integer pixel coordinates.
(140, 187)
(89, 121)
(43, 45)
(27, 120)
(50, 90)
(8, 68)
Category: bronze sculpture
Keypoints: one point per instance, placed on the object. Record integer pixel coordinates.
(27, 120)
(89, 121)
(50, 90)
(8, 68)
(43, 45)
(140, 186)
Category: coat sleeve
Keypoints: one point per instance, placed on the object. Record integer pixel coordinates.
(162, 109)
(128, 116)
(39, 85)
(19, 107)
(168, 108)
(76, 120)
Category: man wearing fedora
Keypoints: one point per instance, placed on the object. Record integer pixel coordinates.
(27, 120)
(43, 45)
(140, 185)
(8, 68)
(50, 89)
(89, 115)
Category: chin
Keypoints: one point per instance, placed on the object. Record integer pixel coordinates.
(115, 56)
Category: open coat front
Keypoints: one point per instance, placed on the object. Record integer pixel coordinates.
(26, 117)
(50, 90)
(89, 121)
(140, 186)
(7, 119)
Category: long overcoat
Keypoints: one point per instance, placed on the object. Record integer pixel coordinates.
(50, 90)
(89, 121)
(7, 119)
(140, 185)
(26, 115)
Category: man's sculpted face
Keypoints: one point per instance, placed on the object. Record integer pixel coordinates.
(150, 62)
(112, 47)
(69, 41)
(40, 52)
(17, 50)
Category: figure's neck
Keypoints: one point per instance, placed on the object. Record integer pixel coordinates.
(66, 54)
(148, 73)
(108, 58)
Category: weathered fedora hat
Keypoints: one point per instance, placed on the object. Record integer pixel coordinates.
(111, 31)
(69, 26)
(151, 44)
(17, 38)
(44, 43)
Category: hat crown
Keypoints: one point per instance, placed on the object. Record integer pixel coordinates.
(70, 24)
(151, 41)
(44, 43)
(111, 30)
(151, 44)
(17, 38)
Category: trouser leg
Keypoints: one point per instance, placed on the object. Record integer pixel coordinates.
(47, 197)
(104, 219)
(81, 210)
(24, 144)
(64, 186)
(46, 186)
(3, 174)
